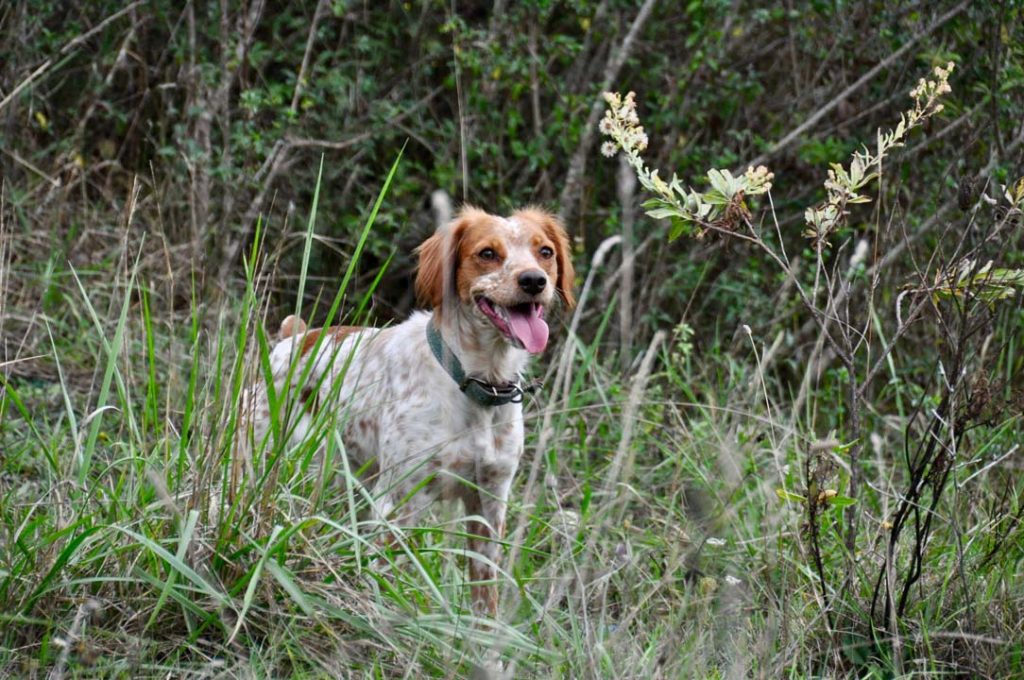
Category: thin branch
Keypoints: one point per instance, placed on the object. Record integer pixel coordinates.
(627, 195)
(797, 132)
(300, 81)
(278, 160)
(611, 72)
(70, 46)
(54, 182)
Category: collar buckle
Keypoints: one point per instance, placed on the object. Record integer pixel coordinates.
(495, 395)
(480, 391)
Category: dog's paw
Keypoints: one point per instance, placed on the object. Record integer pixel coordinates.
(492, 668)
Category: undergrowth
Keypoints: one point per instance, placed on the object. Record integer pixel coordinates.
(651, 533)
(809, 468)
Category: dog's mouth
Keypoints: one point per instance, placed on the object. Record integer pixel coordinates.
(523, 324)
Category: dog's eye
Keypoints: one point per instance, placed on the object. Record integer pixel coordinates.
(488, 254)
(547, 253)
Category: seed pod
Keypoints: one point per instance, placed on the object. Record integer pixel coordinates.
(967, 194)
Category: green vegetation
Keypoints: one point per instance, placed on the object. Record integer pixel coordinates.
(787, 445)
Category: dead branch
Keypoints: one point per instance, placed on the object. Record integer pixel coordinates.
(813, 120)
(579, 159)
(67, 49)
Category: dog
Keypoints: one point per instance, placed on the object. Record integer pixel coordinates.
(433, 406)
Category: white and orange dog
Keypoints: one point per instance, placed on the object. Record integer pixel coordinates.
(434, 404)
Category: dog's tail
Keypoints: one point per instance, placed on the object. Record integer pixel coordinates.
(292, 325)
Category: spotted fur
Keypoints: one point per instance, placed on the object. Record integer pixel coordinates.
(400, 411)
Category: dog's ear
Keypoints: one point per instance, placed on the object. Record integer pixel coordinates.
(563, 256)
(439, 262)
(429, 272)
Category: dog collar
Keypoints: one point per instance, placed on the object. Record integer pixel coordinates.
(480, 391)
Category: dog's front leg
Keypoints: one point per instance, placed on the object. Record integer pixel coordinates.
(490, 502)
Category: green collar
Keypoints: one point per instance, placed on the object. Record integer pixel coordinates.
(480, 391)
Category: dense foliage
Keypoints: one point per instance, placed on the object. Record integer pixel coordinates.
(761, 453)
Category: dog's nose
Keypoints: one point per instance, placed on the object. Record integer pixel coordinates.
(533, 281)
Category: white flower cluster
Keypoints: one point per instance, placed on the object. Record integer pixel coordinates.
(622, 124)
(844, 184)
(722, 207)
(931, 89)
(759, 179)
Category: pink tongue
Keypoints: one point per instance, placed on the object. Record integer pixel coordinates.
(529, 328)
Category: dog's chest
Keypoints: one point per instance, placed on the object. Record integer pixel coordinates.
(403, 411)
(437, 427)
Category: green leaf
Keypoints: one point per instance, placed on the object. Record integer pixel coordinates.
(184, 541)
(664, 213)
(718, 181)
(715, 197)
(284, 577)
(680, 226)
(789, 497)
(254, 579)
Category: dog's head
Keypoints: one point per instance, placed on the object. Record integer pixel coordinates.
(502, 270)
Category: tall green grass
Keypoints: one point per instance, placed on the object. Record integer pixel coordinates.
(648, 536)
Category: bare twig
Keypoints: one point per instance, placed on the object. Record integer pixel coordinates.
(463, 160)
(278, 160)
(300, 81)
(5, 254)
(990, 465)
(813, 120)
(622, 463)
(119, 62)
(611, 72)
(307, 143)
(214, 105)
(627, 193)
(67, 49)
(54, 182)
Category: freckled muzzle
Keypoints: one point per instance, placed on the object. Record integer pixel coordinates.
(522, 324)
